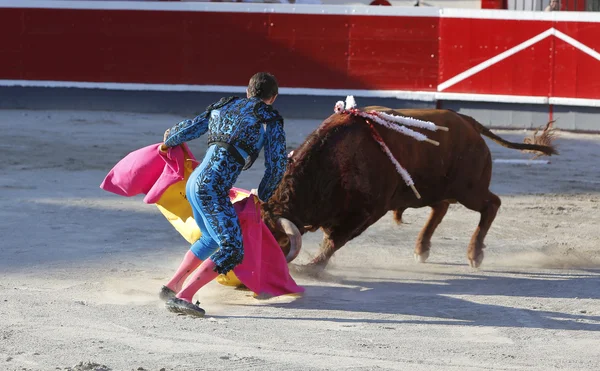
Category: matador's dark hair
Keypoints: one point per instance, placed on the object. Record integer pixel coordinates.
(263, 85)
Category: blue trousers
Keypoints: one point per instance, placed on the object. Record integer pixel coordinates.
(207, 190)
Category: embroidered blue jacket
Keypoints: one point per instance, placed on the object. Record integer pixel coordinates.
(248, 124)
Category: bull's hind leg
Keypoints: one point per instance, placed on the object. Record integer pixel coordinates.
(438, 211)
(487, 205)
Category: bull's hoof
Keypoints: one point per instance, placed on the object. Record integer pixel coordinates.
(308, 270)
(475, 263)
(421, 258)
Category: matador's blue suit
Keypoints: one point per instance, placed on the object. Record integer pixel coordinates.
(238, 128)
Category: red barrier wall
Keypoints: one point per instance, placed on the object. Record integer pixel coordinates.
(556, 61)
(219, 48)
(388, 51)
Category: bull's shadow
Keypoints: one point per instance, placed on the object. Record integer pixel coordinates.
(439, 302)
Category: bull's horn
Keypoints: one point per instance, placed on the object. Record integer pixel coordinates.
(295, 238)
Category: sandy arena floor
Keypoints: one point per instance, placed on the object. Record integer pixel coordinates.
(80, 269)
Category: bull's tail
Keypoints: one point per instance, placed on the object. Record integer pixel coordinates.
(539, 144)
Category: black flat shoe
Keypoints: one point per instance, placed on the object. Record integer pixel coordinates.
(181, 306)
(166, 293)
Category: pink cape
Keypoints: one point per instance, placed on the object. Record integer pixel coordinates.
(264, 269)
(147, 171)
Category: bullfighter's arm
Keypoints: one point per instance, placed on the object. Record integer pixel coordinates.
(275, 159)
(187, 130)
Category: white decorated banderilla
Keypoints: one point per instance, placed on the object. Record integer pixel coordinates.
(391, 122)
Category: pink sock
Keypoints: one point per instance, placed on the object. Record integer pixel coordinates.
(201, 277)
(188, 265)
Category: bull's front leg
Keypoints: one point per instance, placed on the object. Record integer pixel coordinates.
(336, 237)
(318, 264)
(326, 251)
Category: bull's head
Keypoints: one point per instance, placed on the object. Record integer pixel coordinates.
(284, 212)
(286, 233)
